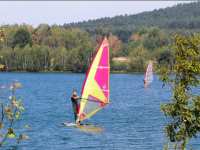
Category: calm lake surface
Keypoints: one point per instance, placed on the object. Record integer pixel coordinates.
(132, 121)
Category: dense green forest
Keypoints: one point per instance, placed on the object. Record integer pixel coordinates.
(135, 38)
(182, 16)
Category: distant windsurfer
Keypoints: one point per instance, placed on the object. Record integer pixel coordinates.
(75, 105)
(145, 83)
(148, 77)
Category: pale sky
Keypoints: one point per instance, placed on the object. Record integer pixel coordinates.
(60, 12)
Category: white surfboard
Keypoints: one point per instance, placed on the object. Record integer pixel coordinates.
(88, 128)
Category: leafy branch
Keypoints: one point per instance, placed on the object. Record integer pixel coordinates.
(10, 113)
(183, 111)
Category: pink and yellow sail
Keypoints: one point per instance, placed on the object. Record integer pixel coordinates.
(96, 87)
(148, 77)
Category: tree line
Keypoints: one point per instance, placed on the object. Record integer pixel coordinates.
(44, 48)
(56, 48)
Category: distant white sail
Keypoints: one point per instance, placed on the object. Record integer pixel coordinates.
(148, 78)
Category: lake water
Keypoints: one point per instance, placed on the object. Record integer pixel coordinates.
(132, 121)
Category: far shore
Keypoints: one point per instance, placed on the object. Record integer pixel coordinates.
(113, 72)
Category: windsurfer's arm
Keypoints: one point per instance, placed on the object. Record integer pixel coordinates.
(77, 98)
(80, 98)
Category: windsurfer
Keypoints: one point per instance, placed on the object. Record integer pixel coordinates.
(75, 104)
(96, 85)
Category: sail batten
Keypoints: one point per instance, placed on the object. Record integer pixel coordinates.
(95, 90)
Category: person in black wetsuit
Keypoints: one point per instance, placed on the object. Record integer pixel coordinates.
(75, 105)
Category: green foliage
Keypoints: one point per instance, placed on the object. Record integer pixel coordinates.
(183, 110)
(164, 55)
(21, 38)
(54, 48)
(51, 49)
(145, 44)
(138, 59)
(155, 38)
(11, 111)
